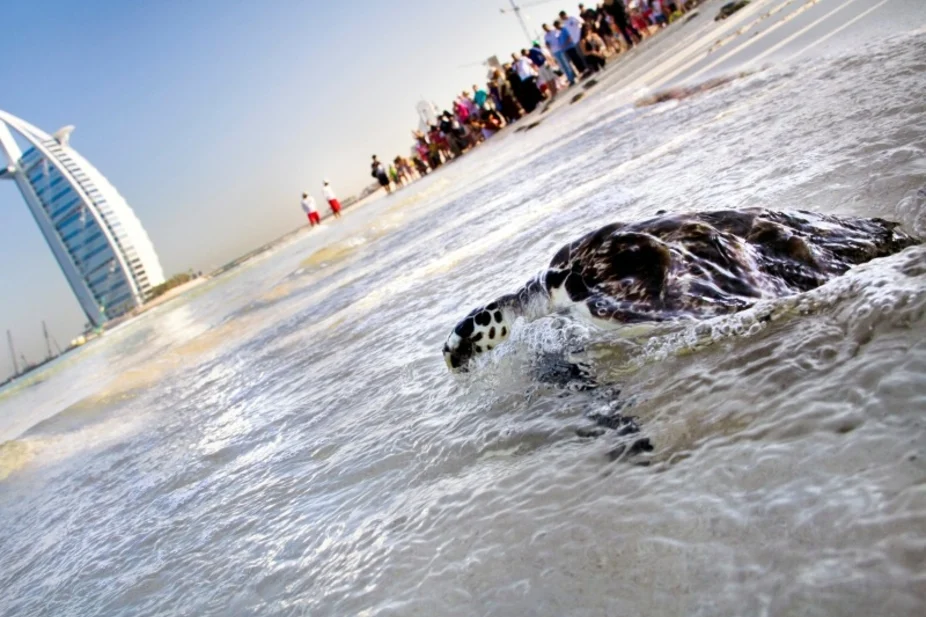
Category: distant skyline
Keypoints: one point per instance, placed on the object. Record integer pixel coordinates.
(211, 118)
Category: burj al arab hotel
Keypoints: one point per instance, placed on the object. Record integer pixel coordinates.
(99, 243)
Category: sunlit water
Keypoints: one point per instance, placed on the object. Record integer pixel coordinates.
(288, 440)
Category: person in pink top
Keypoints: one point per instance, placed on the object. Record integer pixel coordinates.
(471, 106)
(460, 111)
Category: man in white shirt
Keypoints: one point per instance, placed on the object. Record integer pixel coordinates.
(527, 71)
(524, 66)
(572, 25)
(332, 200)
(308, 206)
(572, 34)
(552, 38)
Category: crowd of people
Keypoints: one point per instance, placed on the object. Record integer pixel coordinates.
(573, 48)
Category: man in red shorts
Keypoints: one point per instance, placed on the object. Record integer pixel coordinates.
(308, 206)
(332, 200)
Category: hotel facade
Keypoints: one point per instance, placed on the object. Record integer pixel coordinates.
(99, 243)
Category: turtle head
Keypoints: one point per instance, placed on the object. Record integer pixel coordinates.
(481, 331)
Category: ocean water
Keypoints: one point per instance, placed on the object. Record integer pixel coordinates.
(287, 439)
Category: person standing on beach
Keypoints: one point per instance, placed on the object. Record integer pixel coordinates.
(514, 80)
(571, 35)
(618, 11)
(552, 38)
(379, 172)
(421, 166)
(308, 206)
(600, 22)
(527, 72)
(332, 200)
(453, 132)
(480, 96)
(471, 106)
(509, 103)
(545, 74)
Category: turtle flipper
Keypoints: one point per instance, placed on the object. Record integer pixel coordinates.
(631, 448)
(557, 370)
(625, 428)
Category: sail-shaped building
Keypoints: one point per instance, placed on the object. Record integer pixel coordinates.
(98, 241)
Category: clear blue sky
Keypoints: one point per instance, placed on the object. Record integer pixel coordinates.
(211, 117)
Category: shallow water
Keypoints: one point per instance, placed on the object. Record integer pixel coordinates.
(289, 441)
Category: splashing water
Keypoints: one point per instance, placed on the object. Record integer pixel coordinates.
(288, 440)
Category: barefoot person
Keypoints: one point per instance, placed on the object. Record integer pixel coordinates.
(332, 200)
(308, 206)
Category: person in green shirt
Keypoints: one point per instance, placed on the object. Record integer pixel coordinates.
(479, 96)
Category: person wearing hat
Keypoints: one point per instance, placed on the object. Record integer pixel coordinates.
(332, 200)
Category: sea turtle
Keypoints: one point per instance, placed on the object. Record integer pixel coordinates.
(681, 266)
(677, 267)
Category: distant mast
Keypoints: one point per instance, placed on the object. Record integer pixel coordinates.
(517, 12)
(48, 355)
(9, 340)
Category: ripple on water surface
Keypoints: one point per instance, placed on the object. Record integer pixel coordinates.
(301, 449)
